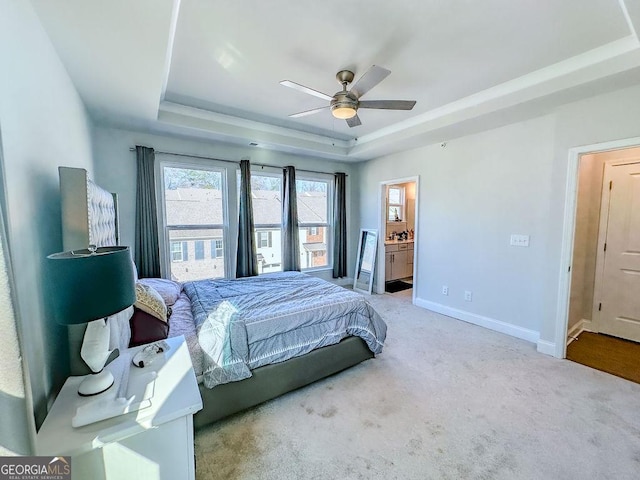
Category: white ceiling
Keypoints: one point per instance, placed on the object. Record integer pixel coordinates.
(211, 68)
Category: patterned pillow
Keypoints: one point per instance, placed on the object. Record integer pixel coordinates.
(150, 301)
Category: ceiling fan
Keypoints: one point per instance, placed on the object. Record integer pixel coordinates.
(345, 103)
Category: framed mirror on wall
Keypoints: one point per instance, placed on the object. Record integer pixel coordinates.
(365, 261)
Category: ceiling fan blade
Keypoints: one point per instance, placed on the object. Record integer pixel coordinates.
(388, 104)
(354, 121)
(308, 112)
(370, 79)
(302, 88)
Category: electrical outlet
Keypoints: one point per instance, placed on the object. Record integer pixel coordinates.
(468, 296)
(445, 290)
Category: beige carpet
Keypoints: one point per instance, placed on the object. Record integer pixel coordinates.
(445, 400)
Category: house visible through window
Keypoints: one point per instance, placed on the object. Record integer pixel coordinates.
(314, 221)
(266, 191)
(194, 218)
(194, 203)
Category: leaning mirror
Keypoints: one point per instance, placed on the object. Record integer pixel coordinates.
(366, 261)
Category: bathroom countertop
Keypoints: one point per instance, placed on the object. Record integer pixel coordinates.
(396, 242)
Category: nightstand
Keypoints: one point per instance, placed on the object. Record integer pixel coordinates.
(153, 443)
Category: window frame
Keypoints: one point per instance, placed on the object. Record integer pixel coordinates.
(164, 229)
(401, 205)
(260, 228)
(329, 225)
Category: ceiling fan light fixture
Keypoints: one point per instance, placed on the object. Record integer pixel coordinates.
(343, 112)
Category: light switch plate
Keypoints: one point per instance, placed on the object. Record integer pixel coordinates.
(519, 240)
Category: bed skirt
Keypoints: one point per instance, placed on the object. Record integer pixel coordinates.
(271, 381)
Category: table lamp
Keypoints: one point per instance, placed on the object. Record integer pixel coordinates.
(87, 286)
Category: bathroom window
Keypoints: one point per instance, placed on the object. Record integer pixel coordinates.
(395, 204)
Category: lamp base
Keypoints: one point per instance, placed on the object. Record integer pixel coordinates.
(96, 383)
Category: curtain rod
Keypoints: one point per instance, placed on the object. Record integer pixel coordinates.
(202, 157)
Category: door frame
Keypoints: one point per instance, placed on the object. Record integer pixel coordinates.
(559, 349)
(382, 224)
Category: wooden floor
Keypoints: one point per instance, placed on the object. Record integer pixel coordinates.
(609, 354)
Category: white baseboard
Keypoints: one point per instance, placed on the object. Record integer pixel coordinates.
(546, 347)
(486, 322)
(583, 325)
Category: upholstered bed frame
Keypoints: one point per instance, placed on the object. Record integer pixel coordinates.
(90, 216)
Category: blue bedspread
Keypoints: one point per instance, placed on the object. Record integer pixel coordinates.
(245, 323)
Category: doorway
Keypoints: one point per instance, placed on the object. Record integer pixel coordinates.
(398, 226)
(605, 263)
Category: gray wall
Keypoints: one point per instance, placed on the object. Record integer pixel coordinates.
(44, 124)
(116, 171)
(478, 190)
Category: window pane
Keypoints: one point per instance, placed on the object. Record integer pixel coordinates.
(193, 197)
(186, 262)
(267, 200)
(395, 196)
(313, 248)
(394, 213)
(217, 248)
(268, 246)
(312, 201)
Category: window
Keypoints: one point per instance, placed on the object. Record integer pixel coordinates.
(199, 250)
(179, 251)
(395, 203)
(266, 191)
(217, 249)
(265, 239)
(194, 213)
(314, 222)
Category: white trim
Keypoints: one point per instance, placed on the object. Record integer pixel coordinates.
(486, 322)
(574, 332)
(175, 12)
(627, 17)
(568, 232)
(378, 287)
(548, 348)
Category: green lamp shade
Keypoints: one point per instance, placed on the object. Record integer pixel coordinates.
(87, 285)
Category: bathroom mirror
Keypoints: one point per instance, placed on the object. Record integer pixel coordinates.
(365, 261)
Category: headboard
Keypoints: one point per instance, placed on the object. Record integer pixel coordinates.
(89, 213)
(89, 216)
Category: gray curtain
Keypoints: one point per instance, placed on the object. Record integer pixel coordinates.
(147, 250)
(340, 226)
(290, 242)
(246, 257)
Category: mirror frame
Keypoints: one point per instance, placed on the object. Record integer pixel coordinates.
(359, 254)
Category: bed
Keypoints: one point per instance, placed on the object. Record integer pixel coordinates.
(243, 352)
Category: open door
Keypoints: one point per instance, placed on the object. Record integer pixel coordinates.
(619, 253)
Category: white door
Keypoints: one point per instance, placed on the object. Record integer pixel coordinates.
(620, 287)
